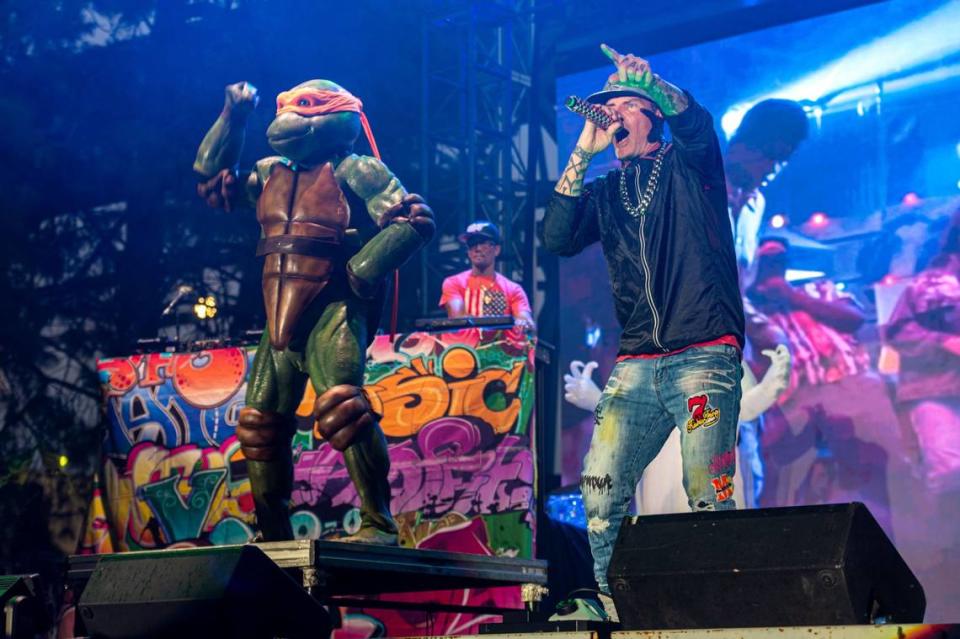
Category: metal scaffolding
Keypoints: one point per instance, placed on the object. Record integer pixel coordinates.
(477, 73)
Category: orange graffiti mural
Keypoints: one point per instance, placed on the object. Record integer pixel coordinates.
(205, 379)
(451, 384)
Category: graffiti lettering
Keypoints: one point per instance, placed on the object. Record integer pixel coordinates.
(452, 411)
(163, 496)
(180, 516)
(446, 469)
(597, 484)
(452, 384)
(175, 399)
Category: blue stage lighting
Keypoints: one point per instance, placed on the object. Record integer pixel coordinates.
(929, 38)
(566, 507)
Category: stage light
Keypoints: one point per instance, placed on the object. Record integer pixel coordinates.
(926, 39)
(732, 118)
(889, 280)
(840, 286)
(778, 221)
(593, 336)
(819, 219)
(910, 199)
(796, 274)
(63, 460)
(817, 113)
(206, 307)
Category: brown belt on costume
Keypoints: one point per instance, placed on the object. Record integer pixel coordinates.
(298, 245)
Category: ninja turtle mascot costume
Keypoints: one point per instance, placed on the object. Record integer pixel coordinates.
(334, 224)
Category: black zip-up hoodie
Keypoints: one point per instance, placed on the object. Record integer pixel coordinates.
(687, 246)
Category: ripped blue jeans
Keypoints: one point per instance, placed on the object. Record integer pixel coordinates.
(697, 391)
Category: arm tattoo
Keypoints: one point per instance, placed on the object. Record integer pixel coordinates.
(669, 98)
(571, 182)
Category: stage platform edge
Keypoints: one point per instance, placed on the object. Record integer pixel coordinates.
(879, 631)
(331, 570)
(573, 634)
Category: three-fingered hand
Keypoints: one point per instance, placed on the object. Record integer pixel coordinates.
(341, 415)
(414, 210)
(779, 371)
(578, 386)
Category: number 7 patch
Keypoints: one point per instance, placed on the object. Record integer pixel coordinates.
(701, 413)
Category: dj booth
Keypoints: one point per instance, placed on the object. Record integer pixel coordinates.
(457, 413)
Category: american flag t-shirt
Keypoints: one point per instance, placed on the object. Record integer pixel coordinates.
(485, 296)
(494, 301)
(484, 300)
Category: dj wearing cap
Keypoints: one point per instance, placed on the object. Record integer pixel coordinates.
(480, 290)
(662, 222)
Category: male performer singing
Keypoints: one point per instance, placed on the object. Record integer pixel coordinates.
(663, 224)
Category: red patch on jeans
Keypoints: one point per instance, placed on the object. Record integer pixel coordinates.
(701, 413)
(723, 485)
(722, 461)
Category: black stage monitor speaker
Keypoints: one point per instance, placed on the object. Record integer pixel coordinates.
(229, 591)
(803, 566)
(23, 614)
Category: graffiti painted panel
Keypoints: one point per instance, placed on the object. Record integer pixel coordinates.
(457, 415)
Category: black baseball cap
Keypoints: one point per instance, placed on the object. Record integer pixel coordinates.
(481, 228)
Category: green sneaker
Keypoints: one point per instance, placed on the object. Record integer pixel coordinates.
(607, 602)
(579, 610)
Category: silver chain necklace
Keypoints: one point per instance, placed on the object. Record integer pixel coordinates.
(643, 199)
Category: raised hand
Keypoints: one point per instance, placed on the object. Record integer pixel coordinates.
(779, 371)
(579, 388)
(240, 98)
(635, 72)
(757, 399)
(631, 70)
(221, 146)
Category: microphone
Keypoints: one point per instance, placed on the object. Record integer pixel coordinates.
(182, 290)
(593, 113)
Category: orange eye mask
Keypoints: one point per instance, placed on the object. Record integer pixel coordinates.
(309, 102)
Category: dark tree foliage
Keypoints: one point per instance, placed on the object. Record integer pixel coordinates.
(102, 108)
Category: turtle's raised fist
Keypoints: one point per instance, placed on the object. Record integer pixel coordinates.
(240, 98)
